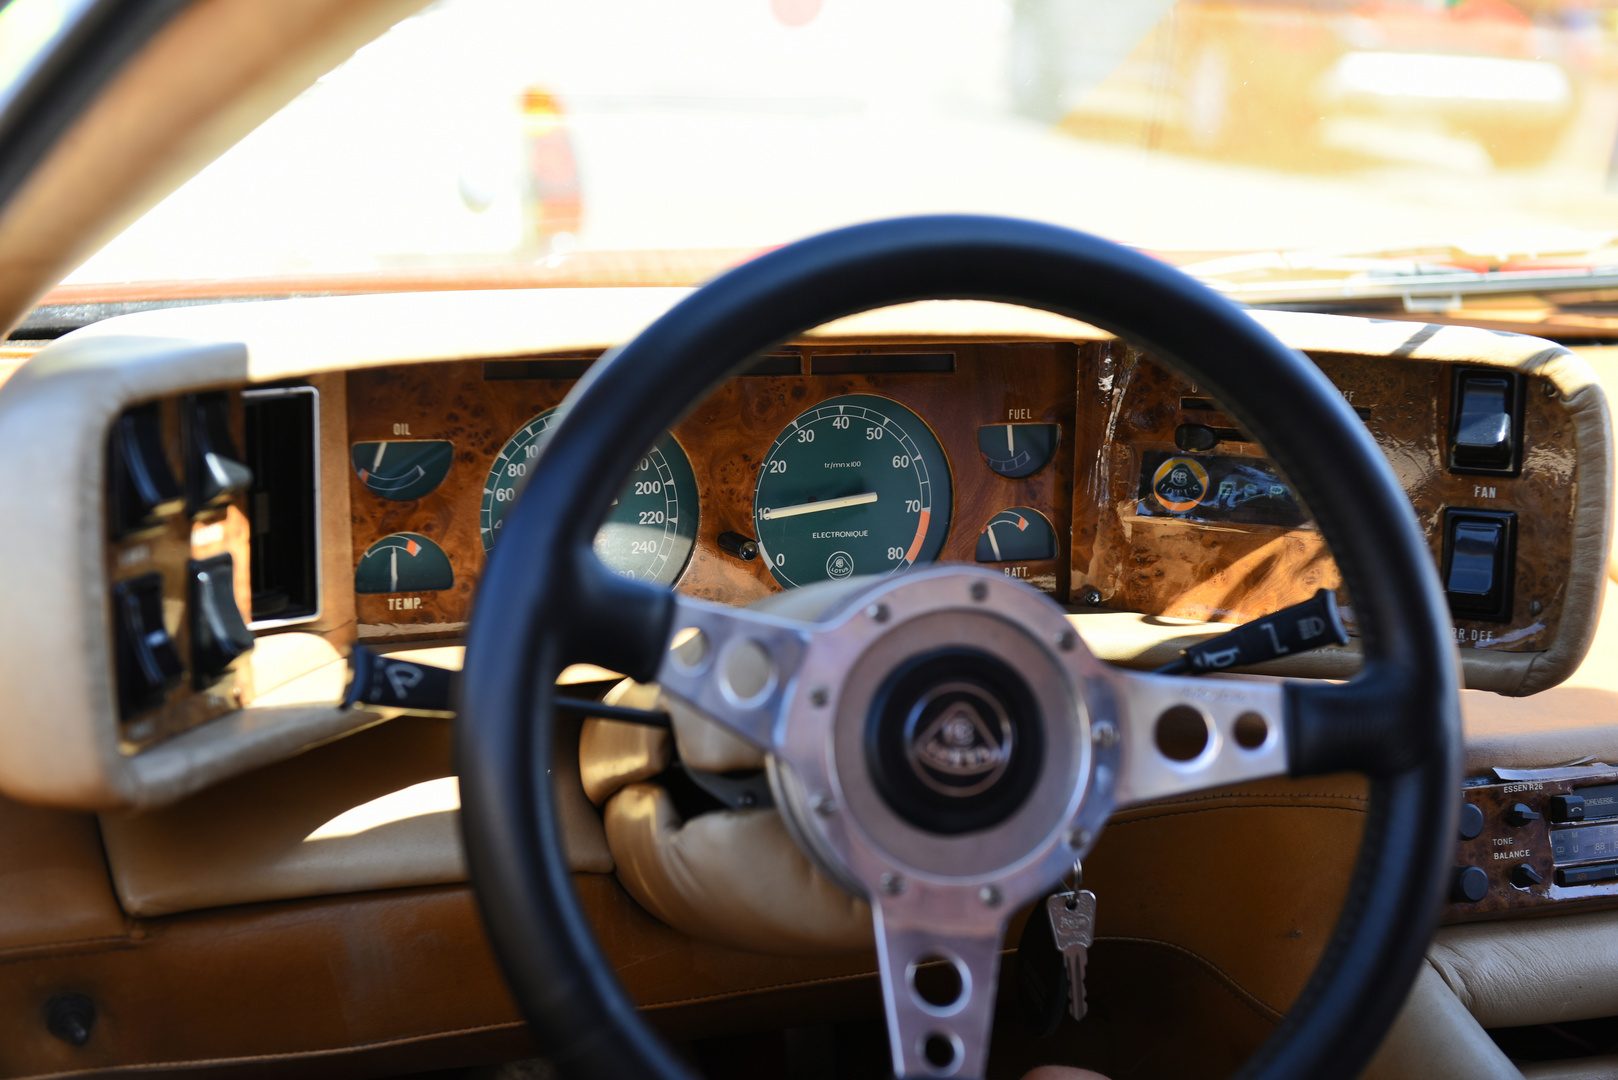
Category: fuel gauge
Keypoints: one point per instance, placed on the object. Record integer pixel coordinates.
(1018, 450)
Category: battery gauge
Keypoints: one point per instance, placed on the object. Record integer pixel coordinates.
(1020, 534)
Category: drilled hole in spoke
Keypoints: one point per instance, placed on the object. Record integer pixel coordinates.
(749, 672)
(1182, 733)
(936, 981)
(940, 1051)
(1251, 731)
(689, 646)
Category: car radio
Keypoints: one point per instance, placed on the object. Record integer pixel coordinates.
(1532, 837)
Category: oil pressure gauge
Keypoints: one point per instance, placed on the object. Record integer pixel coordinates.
(857, 485)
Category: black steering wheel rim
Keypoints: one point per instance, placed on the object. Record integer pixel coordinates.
(545, 602)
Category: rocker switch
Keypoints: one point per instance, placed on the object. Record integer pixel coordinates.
(141, 489)
(148, 664)
(1483, 422)
(218, 633)
(213, 467)
(1479, 550)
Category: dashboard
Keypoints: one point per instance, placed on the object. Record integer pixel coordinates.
(247, 491)
(1136, 493)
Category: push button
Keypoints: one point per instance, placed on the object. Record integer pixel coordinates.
(1485, 421)
(141, 488)
(1586, 875)
(213, 467)
(147, 662)
(1566, 807)
(218, 634)
(1479, 551)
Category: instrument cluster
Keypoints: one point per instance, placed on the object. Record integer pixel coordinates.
(814, 465)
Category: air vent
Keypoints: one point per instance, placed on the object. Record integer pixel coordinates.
(283, 450)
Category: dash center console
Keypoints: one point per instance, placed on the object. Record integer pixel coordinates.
(1531, 839)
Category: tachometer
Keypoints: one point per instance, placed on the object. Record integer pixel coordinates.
(652, 526)
(856, 485)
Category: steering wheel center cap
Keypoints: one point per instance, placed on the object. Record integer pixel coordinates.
(953, 739)
(960, 740)
(942, 729)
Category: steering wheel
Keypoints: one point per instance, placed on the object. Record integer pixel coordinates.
(845, 704)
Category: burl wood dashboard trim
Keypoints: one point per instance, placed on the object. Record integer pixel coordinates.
(1213, 572)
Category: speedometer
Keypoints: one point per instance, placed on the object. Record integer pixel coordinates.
(856, 485)
(652, 526)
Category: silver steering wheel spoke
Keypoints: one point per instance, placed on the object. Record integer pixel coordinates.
(939, 983)
(1182, 734)
(944, 744)
(735, 665)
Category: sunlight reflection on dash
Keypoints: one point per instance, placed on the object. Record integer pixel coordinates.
(417, 800)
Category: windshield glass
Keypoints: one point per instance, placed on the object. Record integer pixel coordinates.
(514, 132)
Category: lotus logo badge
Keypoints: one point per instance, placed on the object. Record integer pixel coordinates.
(963, 744)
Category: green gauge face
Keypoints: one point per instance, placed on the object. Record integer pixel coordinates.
(652, 526)
(403, 471)
(856, 485)
(403, 562)
(1021, 534)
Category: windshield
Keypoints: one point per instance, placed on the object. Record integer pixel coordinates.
(498, 133)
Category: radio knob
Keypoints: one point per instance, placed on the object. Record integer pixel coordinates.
(1471, 821)
(1469, 885)
(1521, 814)
(1523, 876)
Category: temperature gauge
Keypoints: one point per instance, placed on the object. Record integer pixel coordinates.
(403, 562)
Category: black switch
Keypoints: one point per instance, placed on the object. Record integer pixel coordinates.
(1566, 807)
(1479, 557)
(1195, 437)
(1485, 421)
(213, 466)
(141, 489)
(1469, 885)
(1524, 876)
(1586, 875)
(1471, 821)
(218, 634)
(147, 661)
(735, 544)
(1520, 815)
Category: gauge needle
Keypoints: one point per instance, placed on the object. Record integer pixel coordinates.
(815, 507)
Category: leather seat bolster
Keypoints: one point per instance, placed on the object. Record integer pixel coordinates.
(1532, 971)
(733, 877)
(1435, 1038)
